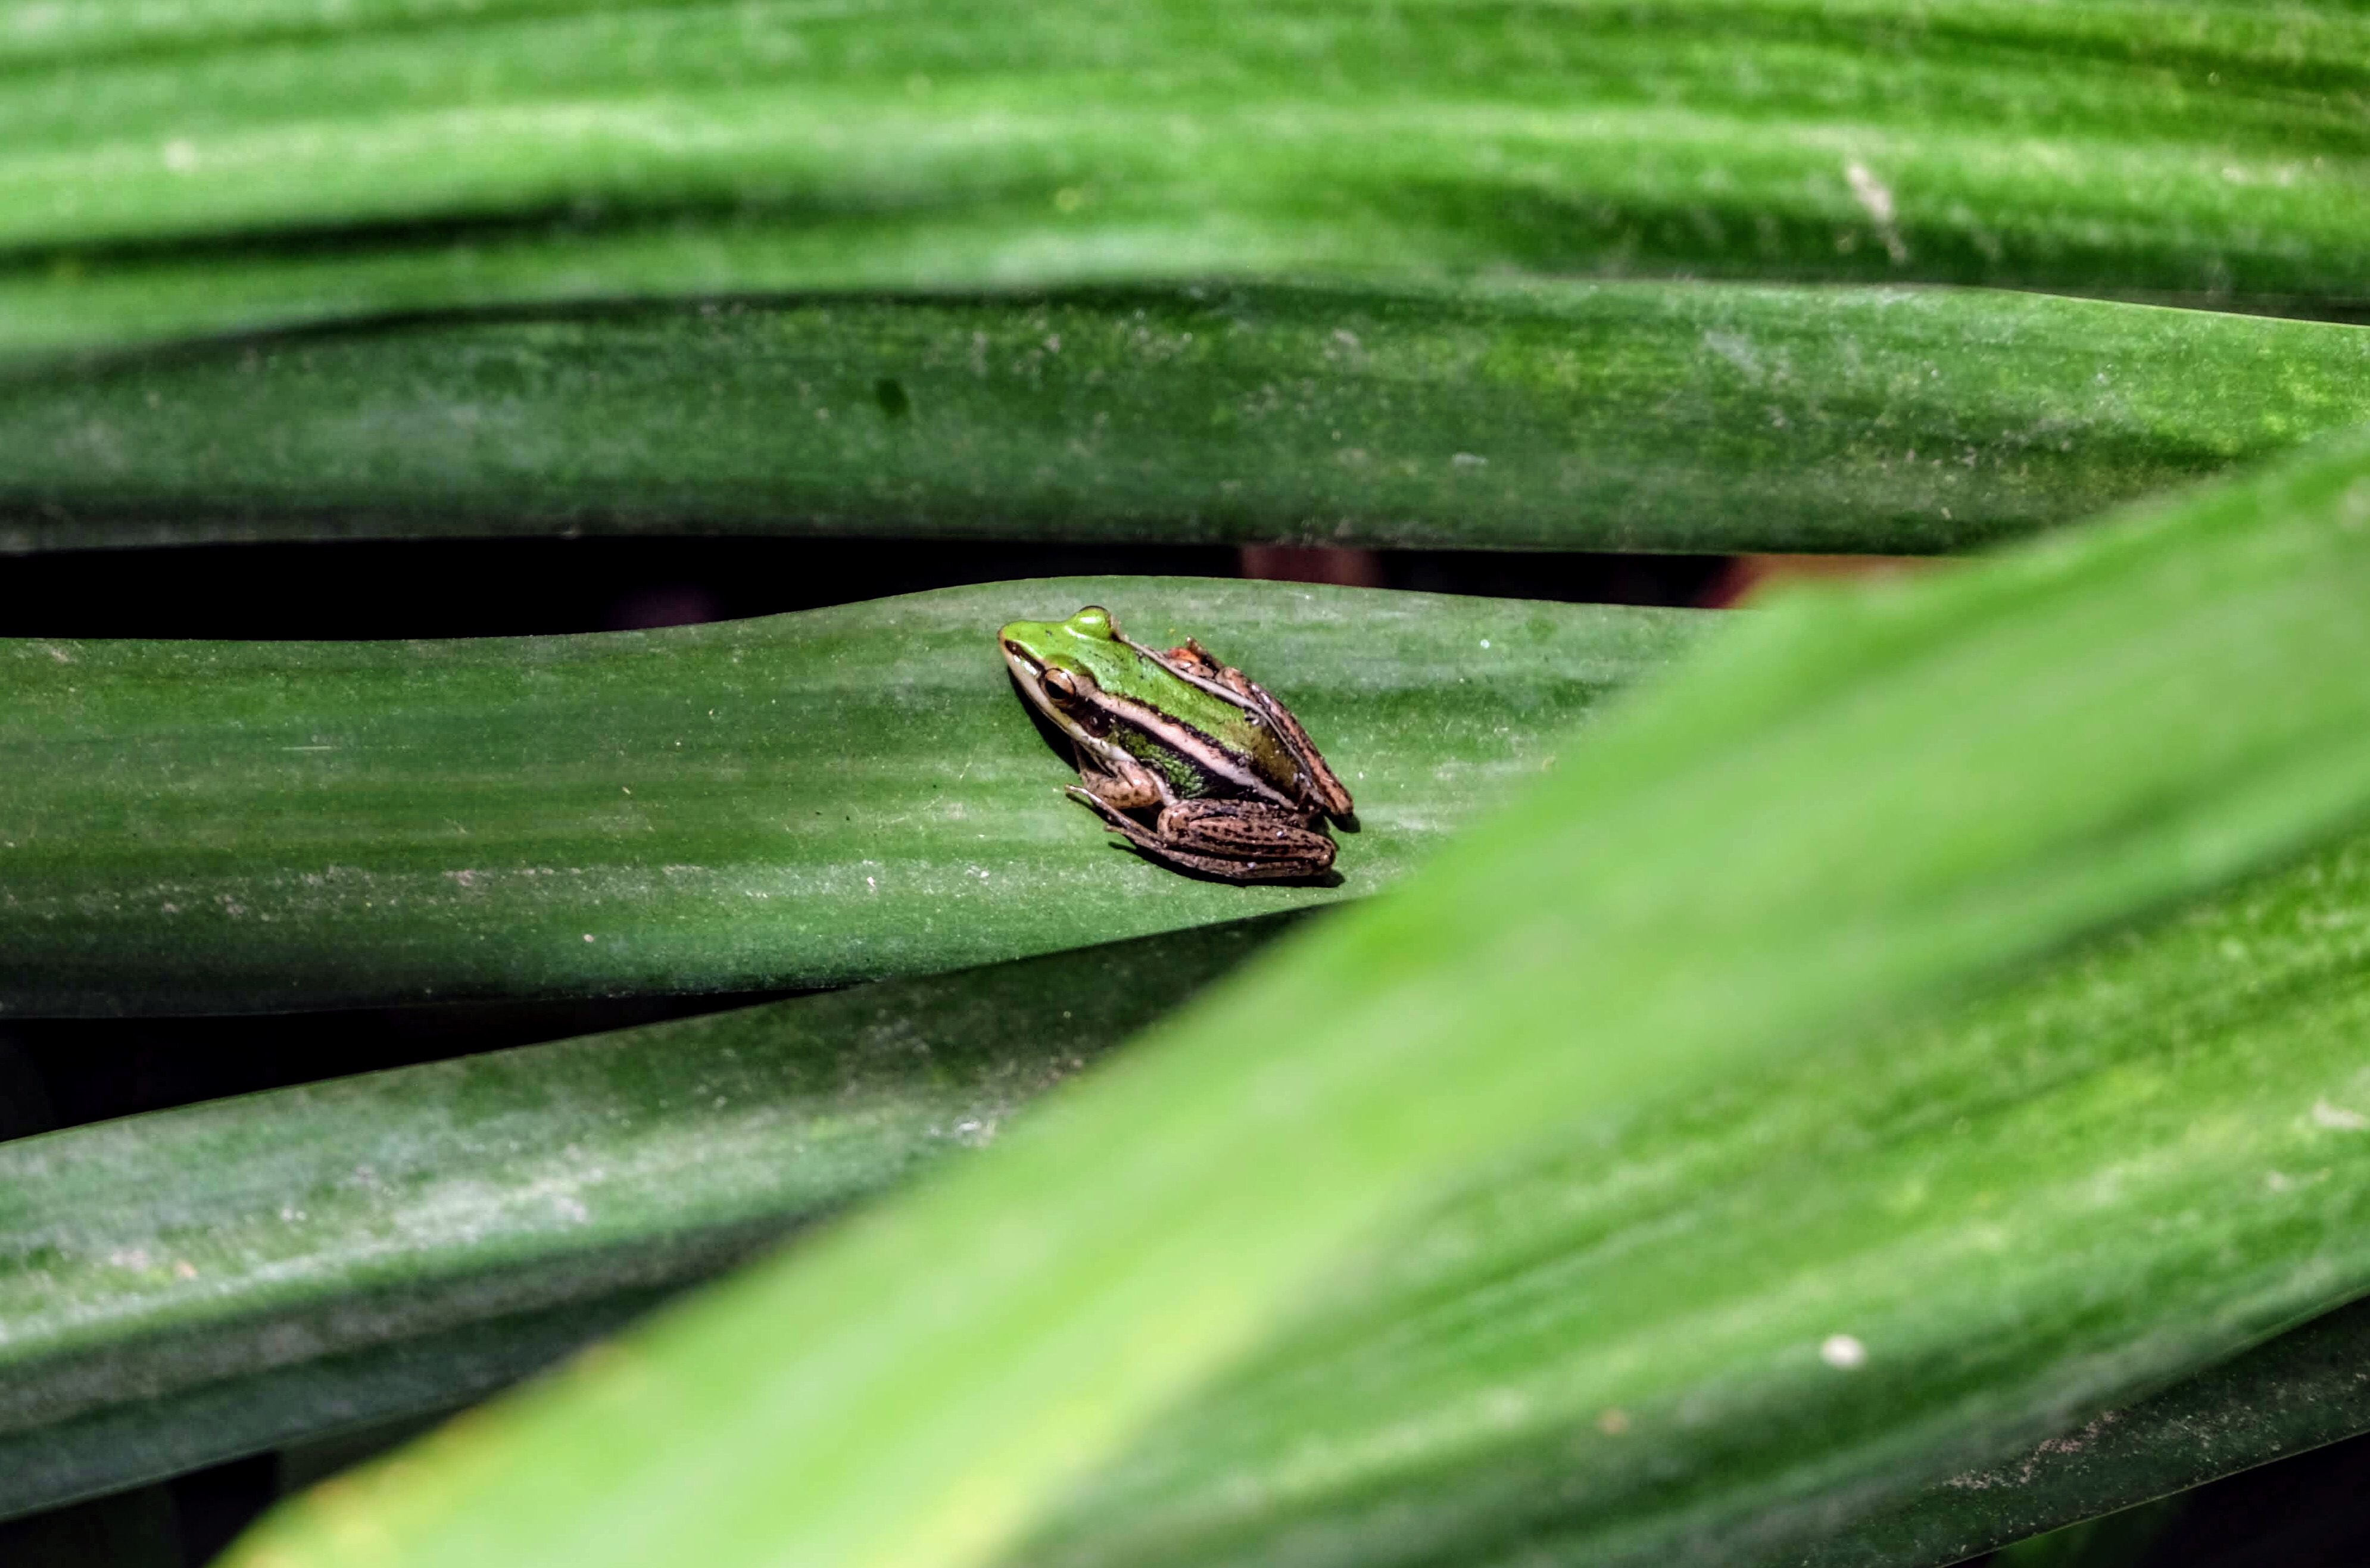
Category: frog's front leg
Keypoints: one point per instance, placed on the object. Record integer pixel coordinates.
(1238, 840)
(1122, 782)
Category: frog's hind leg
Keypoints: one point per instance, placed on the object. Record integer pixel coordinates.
(1184, 855)
(1222, 839)
(1277, 842)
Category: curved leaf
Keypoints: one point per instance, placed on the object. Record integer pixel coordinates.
(798, 800)
(1559, 415)
(211, 172)
(1849, 804)
(192, 1285)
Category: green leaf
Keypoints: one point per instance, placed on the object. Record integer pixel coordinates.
(220, 170)
(187, 1286)
(800, 800)
(1562, 416)
(477, 1168)
(1849, 804)
(1592, 1350)
(2308, 1388)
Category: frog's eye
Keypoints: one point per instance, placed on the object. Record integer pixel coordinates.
(1062, 686)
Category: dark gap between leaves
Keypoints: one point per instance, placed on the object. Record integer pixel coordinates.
(89, 1069)
(463, 588)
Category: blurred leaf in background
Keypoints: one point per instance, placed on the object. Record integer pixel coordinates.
(221, 169)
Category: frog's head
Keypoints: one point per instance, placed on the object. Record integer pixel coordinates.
(1064, 667)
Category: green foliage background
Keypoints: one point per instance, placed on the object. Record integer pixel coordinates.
(1915, 1023)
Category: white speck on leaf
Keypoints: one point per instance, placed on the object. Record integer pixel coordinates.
(2338, 1117)
(1843, 1352)
(1876, 198)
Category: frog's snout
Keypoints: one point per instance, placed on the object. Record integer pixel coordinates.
(1024, 664)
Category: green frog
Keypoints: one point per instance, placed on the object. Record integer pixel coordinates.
(1239, 790)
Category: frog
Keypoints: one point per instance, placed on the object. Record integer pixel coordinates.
(1232, 785)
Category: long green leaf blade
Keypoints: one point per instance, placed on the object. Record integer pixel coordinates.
(180, 178)
(1852, 803)
(188, 1286)
(1555, 416)
(1593, 1356)
(798, 800)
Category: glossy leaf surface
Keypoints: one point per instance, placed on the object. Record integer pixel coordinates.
(1550, 416)
(797, 800)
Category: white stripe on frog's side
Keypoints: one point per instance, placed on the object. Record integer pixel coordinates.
(1214, 761)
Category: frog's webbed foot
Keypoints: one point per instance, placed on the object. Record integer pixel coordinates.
(1240, 840)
